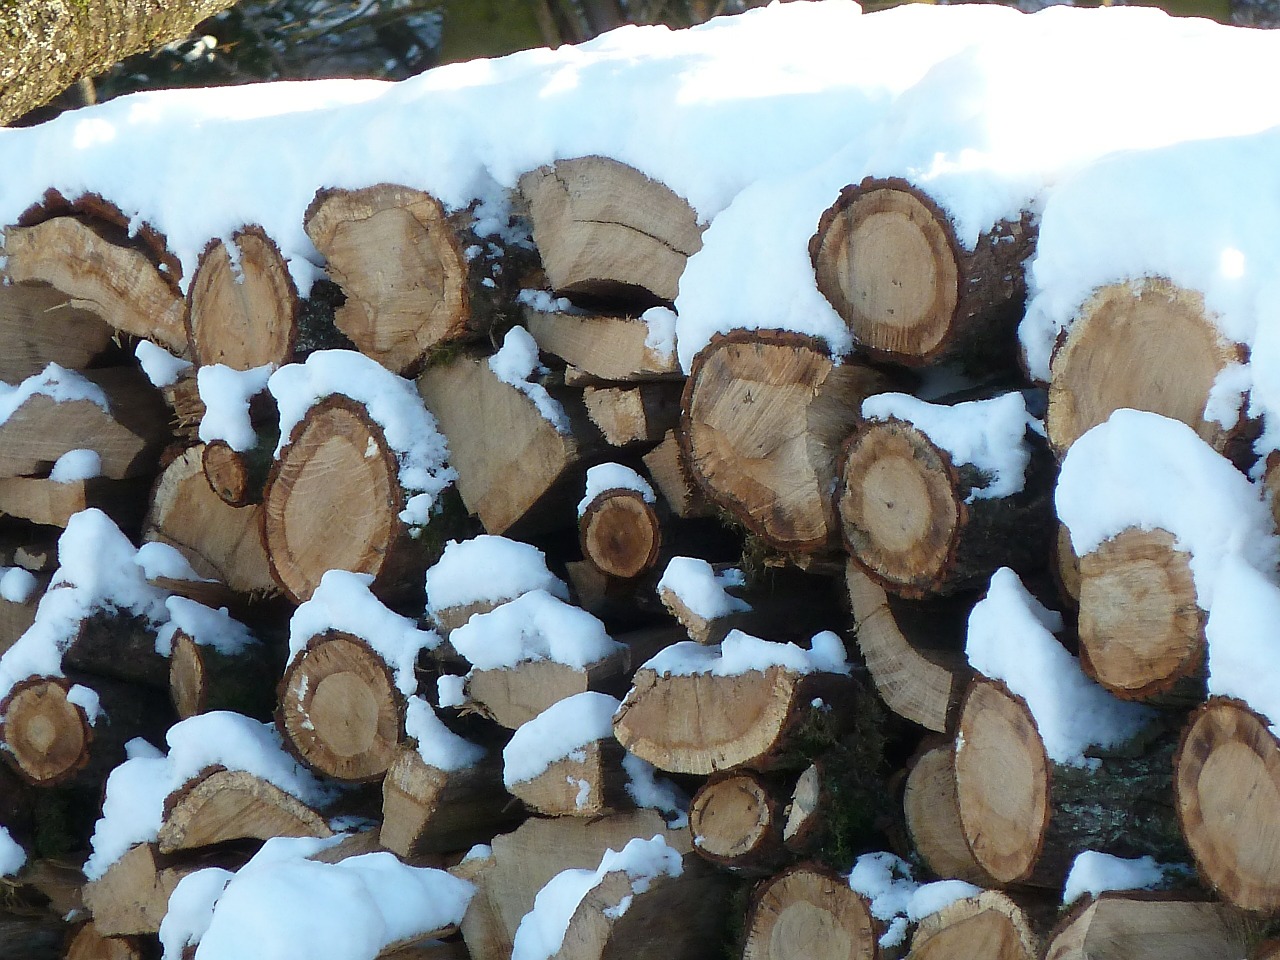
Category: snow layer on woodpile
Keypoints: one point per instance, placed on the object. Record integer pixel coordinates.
(488, 568)
(281, 905)
(392, 403)
(987, 434)
(1244, 644)
(226, 393)
(516, 364)
(133, 808)
(535, 626)
(741, 653)
(896, 899)
(1011, 639)
(205, 626)
(604, 477)
(542, 930)
(1093, 873)
(695, 583)
(437, 745)
(57, 383)
(558, 732)
(12, 856)
(1143, 470)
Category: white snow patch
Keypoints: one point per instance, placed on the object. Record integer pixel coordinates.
(76, 465)
(1093, 872)
(438, 746)
(205, 626)
(614, 476)
(896, 899)
(57, 383)
(1244, 647)
(544, 301)
(516, 364)
(451, 690)
(555, 733)
(17, 585)
(703, 591)
(741, 653)
(488, 568)
(163, 561)
(534, 626)
(12, 856)
(88, 701)
(652, 792)
(226, 393)
(161, 367)
(661, 338)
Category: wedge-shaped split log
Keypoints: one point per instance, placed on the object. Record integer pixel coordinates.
(89, 943)
(132, 897)
(40, 325)
(633, 415)
(54, 502)
(605, 349)
(1119, 925)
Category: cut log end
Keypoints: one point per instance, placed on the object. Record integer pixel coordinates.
(228, 474)
(809, 912)
(46, 736)
(932, 813)
(620, 534)
(989, 925)
(736, 822)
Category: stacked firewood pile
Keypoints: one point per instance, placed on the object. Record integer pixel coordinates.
(453, 689)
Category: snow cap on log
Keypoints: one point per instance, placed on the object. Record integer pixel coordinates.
(534, 626)
(203, 625)
(12, 856)
(741, 653)
(488, 569)
(613, 476)
(516, 363)
(1093, 872)
(896, 899)
(436, 744)
(564, 727)
(226, 393)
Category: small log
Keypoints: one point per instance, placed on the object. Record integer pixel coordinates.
(88, 943)
(1026, 818)
(1141, 629)
(603, 349)
(620, 533)
(1227, 790)
(1123, 925)
(40, 325)
(887, 258)
(512, 696)
(243, 310)
(711, 625)
(736, 820)
(218, 540)
(53, 503)
(809, 911)
(120, 284)
(1065, 568)
(239, 478)
(127, 438)
(220, 805)
(764, 416)
(132, 896)
(590, 782)
(987, 925)
(203, 678)
(1146, 345)
(632, 415)
(932, 812)
(665, 464)
(608, 233)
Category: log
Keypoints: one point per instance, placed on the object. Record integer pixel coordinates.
(1227, 790)
(620, 533)
(602, 348)
(1065, 568)
(415, 278)
(88, 943)
(120, 284)
(239, 477)
(132, 896)
(710, 612)
(243, 308)
(888, 260)
(1146, 345)
(633, 415)
(1026, 818)
(609, 234)
(908, 517)
(53, 503)
(987, 925)
(116, 644)
(736, 820)
(810, 911)
(40, 325)
(203, 678)
(932, 812)
(589, 782)
(127, 437)
(1141, 628)
(512, 696)
(665, 465)
(1123, 925)
(218, 540)
(764, 416)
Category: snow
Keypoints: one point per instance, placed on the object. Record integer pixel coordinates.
(162, 561)
(614, 476)
(534, 626)
(451, 690)
(343, 602)
(700, 589)
(12, 856)
(556, 733)
(1244, 648)
(1093, 872)
(1142, 470)
(437, 745)
(17, 585)
(226, 393)
(544, 301)
(516, 364)
(987, 434)
(204, 625)
(896, 899)
(1011, 639)
(661, 338)
(542, 930)
(741, 653)
(76, 465)
(88, 701)
(161, 367)
(133, 807)
(281, 905)
(392, 403)
(57, 383)
(651, 792)
(488, 568)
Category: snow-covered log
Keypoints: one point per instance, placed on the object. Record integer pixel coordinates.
(216, 664)
(618, 529)
(1120, 925)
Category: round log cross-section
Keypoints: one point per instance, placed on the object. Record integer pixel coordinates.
(736, 822)
(989, 925)
(620, 533)
(808, 911)
(46, 737)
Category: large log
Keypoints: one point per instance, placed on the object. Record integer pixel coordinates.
(809, 911)
(932, 812)
(987, 925)
(40, 325)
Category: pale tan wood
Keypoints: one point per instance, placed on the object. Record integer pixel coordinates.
(630, 415)
(765, 414)
(666, 467)
(133, 895)
(88, 943)
(242, 312)
(808, 911)
(1119, 925)
(119, 284)
(127, 438)
(1066, 567)
(606, 231)
(989, 925)
(589, 783)
(699, 628)
(507, 456)
(1141, 629)
(46, 737)
(620, 533)
(1146, 345)
(1227, 790)
(601, 348)
(736, 820)
(218, 540)
(222, 805)
(53, 503)
(512, 696)
(340, 710)
(39, 326)
(932, 811)
(59, 880)
(16, 618)
(202, 679)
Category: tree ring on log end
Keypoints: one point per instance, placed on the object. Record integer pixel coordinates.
(1227, 788)
(1002, 781)
(46, 735)
(809, 912)
(333, 499)
(340, 709)
(620, 533)
(1140, 627)
(899, 512)
(730, 817)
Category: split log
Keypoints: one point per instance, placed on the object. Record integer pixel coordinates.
(932, 812)
(1120, 925)
(132, 896)
(607, 233)
(512, 696)
(1146, 345)
(186, 409)
(632, 415)
(1026, 818)
(17, 617)
(736, 820)
(809, 911)
(220, 805)
(913, 651)
(908, 517)
(88, 943)
(203, 678)
(1227, 788)
(887, 258)
(121, 284)
(243, 309)
(665, 464)
(602, 348)
(1141, 629)
(513, 464)
(127, 437)
(40, 325)
(414, 278)
(426, 809)
(708, 624)
(53, 502)
(765, 414)
(620, 533)
(987, 925)
(218, 540)
(590, 782)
